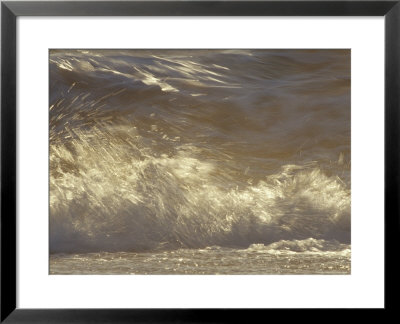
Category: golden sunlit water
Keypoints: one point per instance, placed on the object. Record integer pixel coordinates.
(200, 162)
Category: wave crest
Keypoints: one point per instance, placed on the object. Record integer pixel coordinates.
(114, 200)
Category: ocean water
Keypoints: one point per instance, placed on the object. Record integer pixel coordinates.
(200, 162)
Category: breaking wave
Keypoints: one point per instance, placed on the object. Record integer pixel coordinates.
(153, 150)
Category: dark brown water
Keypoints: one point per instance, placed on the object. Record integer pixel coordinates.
(163, 155)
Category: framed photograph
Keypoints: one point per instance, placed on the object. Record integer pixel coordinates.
(190, 161)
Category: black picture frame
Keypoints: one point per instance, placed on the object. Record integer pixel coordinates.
(10, 10)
